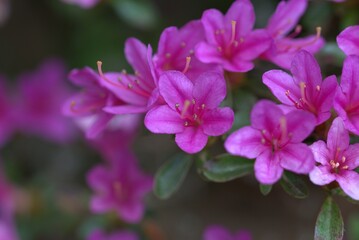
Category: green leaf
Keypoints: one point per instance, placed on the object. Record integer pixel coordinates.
(226, 167)
(294, 185)
(171, 175)
(243, 103)
(329, 225)
(265, 189)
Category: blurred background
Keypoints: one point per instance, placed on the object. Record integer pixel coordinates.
(50, 194)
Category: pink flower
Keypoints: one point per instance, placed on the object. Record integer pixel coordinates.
(139, 91)
(348, 40)
(118, 235)
(119, 187)
(304, 90)
(230, 40)
(41, 95)
(337, 160)
(346, 102)
(285, 46)
(192, 111)
(6, 113)
(176, 50)
(217, 232)
(87, 105)
(83, 3)
(274, 139)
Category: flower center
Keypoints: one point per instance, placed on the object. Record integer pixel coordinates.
(279, 138)
(303, 102)
(338, 163)
(230, 46)
(191, 112)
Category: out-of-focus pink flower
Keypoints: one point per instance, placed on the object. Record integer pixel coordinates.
(87, 106)
(348, 40)
(304, 90)
(285, 45)
(346, 102)
(41, 95)
(230, 40)
(337, 160)
(275, 140)
(218, 232)
(118, 235)
(192, 111)
(139, 91)
(119, 187)
(83, 3)
(7, 113)
(176, 50)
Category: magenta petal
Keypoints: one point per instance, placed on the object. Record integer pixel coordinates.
(350, 79)
(175, 88)
(254, 44)
(163, 119)
(237, 65)
(348, 40)
(102, 119)
(352, 156)
(216, 232)
(218, 121)
(349, 182)
(98, 179)
(306, 69)
(286, 16)
(85, 77)
(279, 82)
(125, 109)
(245, 142)
(100, 204)
(242, 12)
(192, 140)
(265, 115)
(297, 158)
(338, 136)
(208, 53)
(321, 175)
(209, 89)
(212, 20)
(320, 152)
(267, 168)
(300, 124)
(326, 98)
(131, 211)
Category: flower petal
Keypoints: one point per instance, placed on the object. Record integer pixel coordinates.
(131, 211)
(100, 204)
(98, 179)
(98, 125)
(297, 158)
(213, 20)
(267, 168)
(326, 98)
(300, 124)
(306, 69)
(163, 119)
(352, 156)
(320, 175)
(254, 44)
(348, 40)
(208, 53)
(245, 142)
(242, 12)
(338, 136)
(216, 232)
(191, 140)
(320, 152)
(349, 182)
(125, 109)
(85, 77)
(265, 115)
(217, 121)
(209, 89)
(175, 88)
(350, 79)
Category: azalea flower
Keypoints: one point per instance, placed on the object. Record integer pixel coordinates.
(139, 91)
(230, 40)
(284, 45)
(87, 106)
(275, 140)
(217, 232)
(346, 102)
(119, 187)
(118, 235)
(348, 40)
(41, 95)
(191, 111)
(337, 160)
(305, 90)
(176, 50)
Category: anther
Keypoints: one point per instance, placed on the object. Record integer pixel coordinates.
(191, 52)
(318, 88)
(345, 167)
(124, 71)
(130, 86)
(188, 61)
(168, 55)
(195, 116)
(263, 141)
(203, 106)
(177, 105)
(193, 101)
(219, 49)
(183, 44)
(186, 123)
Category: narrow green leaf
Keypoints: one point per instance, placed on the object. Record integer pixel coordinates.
(329, 225)
(265, 189)
(294, 185)
(226, 167)
(171, 175)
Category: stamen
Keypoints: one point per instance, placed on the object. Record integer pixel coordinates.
(191, 52)
(183, 44)
(193, 101)
(130, 86)
(318, 88)
(344, 159)
(296, 103)
(177, 105)
(203, 106)
(219, 49)
(283, 126)
(297, 30)
(186, 123)
(332, 163)
(233, 36)
(188, 61)
(195, 116)
(263, 141)
(99, 69)
(168, 55)
(124, 71)
(345, 167)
